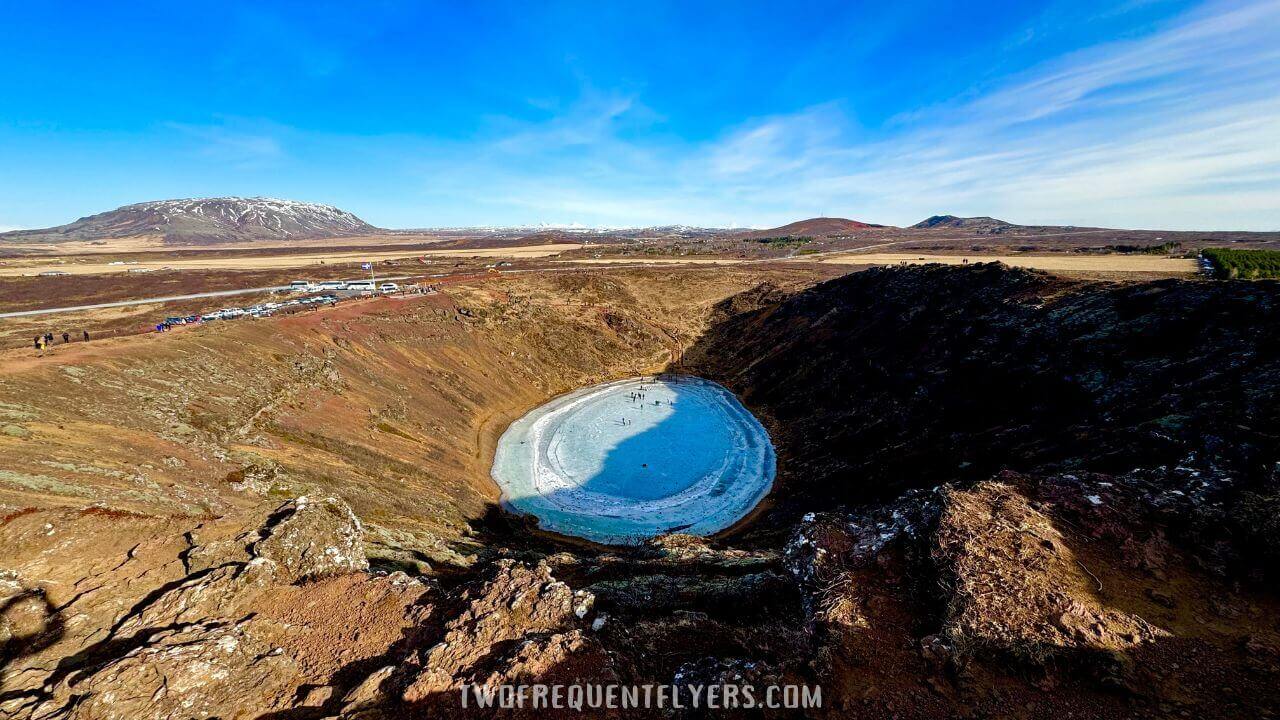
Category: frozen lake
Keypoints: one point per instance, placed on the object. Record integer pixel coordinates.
(620, 462)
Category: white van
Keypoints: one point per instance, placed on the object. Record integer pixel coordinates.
(388, 288)
(300, 285)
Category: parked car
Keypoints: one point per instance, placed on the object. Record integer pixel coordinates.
(300, 285)
(388, 287)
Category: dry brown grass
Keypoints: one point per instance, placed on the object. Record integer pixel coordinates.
(394, 404)
(1052, 263)
(78, 266)
(1015, 587)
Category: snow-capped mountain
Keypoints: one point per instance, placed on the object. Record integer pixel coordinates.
(210, 220)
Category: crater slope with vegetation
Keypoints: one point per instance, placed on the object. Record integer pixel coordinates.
(999, 493)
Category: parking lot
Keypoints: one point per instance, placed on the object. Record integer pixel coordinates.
(329, 292)
(153, 315)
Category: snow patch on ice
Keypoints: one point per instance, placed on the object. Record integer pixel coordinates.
(620, 462)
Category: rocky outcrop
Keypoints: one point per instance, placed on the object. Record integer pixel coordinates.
(203, 669)
(518, 624)
(980, 592)
(826, 544)
(24, 613)
(255, 619)
(898, 378)
(304, 539)
(1016, 588)
(747, 595)
(1069, 581)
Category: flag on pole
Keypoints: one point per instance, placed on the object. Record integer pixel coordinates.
(366, 266)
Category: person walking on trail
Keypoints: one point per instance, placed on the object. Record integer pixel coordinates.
(48, 339)
(66, 338)
(36, 342)
(86, 336)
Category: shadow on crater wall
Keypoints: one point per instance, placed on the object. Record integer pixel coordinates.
(897, 378)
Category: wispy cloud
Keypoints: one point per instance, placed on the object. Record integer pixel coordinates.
(1180, 128)
(235, 143)
(1204, 53)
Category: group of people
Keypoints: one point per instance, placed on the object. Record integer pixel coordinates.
(638, 397)
(43, 342)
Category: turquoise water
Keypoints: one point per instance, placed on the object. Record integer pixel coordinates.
(619, 462)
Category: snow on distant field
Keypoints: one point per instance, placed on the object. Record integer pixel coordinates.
(620, 462)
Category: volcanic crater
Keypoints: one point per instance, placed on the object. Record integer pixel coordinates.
(997, 491)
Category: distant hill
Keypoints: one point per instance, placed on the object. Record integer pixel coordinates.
(206, 221)
(814, 227)
(977, 224)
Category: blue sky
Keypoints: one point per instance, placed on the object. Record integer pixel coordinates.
(1137, 113)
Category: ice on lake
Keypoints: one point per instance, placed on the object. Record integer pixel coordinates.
(620, 462)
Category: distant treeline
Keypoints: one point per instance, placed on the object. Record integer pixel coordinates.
(1245, 264)
(785, 241)
(1162, 249)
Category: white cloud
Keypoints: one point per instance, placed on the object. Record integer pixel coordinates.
(1178, 129)
(1155, 133)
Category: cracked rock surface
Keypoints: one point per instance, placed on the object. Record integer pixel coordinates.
(237, 621)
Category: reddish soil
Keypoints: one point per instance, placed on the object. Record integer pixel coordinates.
(1000, 494)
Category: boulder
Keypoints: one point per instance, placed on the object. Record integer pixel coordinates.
(519, 620)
